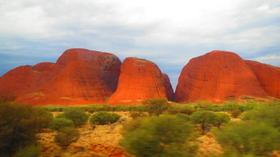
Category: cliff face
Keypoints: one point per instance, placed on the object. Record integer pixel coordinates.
(217, 76)
(19, 81)
(82, 76)
(139, 80)
(79, 76)
(268, 76)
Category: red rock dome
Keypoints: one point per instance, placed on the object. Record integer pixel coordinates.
(19, 81)
(140, 80)
(268, 76)
(44, 66)
(80, 76)
(217, 76)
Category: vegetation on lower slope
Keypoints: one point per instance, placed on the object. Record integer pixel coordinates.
(158, 128)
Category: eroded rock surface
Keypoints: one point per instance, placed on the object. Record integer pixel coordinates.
(140, 80)
(82, 76)
(217, 76)
(268, 76)
(79, 76)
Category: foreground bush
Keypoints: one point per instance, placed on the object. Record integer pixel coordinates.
(233, 108)
(43, 117)
(156, 106)
(135, 115)
(183, 109)
(59, 123)
(205, 119)
(103, 118)
(165, 135)
(66, 136)
(220, 118)
(78, 116)
(257, 139)
(268, 114)
(28, 151)
(19, 125)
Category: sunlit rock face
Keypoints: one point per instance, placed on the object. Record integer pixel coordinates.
(268, 76)
(82, 76)
(140, 80)
(79, 76)
(217, 76)
(23, 79)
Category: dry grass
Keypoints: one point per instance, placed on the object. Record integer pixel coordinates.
(99, 141)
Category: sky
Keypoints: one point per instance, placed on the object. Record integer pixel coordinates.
(168, 32)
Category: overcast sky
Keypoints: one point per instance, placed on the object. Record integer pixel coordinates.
(166, 32)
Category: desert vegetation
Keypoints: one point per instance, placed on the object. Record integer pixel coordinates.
(18, 127)
(103, 118)
(164, 135)
(66, 136)
(157, 128)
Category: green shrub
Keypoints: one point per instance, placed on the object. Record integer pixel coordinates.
(135, 115)
(208, 106)
(233, 108)
(53, 108)
(249, 138)
(268, 114)
(19, 125)
(103, 118)
(184, 109)
(252, 104)
(205, 119)
(185, 117)
(156, 106)
(235, 113)
(28, 151)
(220, 118)
(66, 136)
(44, 117)
(78, 116)
(231, 153)
(98, 108)
(164, 135)
(59, 123)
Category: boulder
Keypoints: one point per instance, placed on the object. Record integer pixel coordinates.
(139, 80)
(217, 76)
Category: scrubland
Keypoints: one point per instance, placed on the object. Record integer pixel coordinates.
(157, 128)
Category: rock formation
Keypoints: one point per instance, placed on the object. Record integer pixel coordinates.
(19, 81)
(140, 80)
(217, 76)
(79, 76)
(82, 76)
(268, 76)
(168, 88)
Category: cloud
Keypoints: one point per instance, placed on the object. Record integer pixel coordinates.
(167, 32)
(270, 59)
